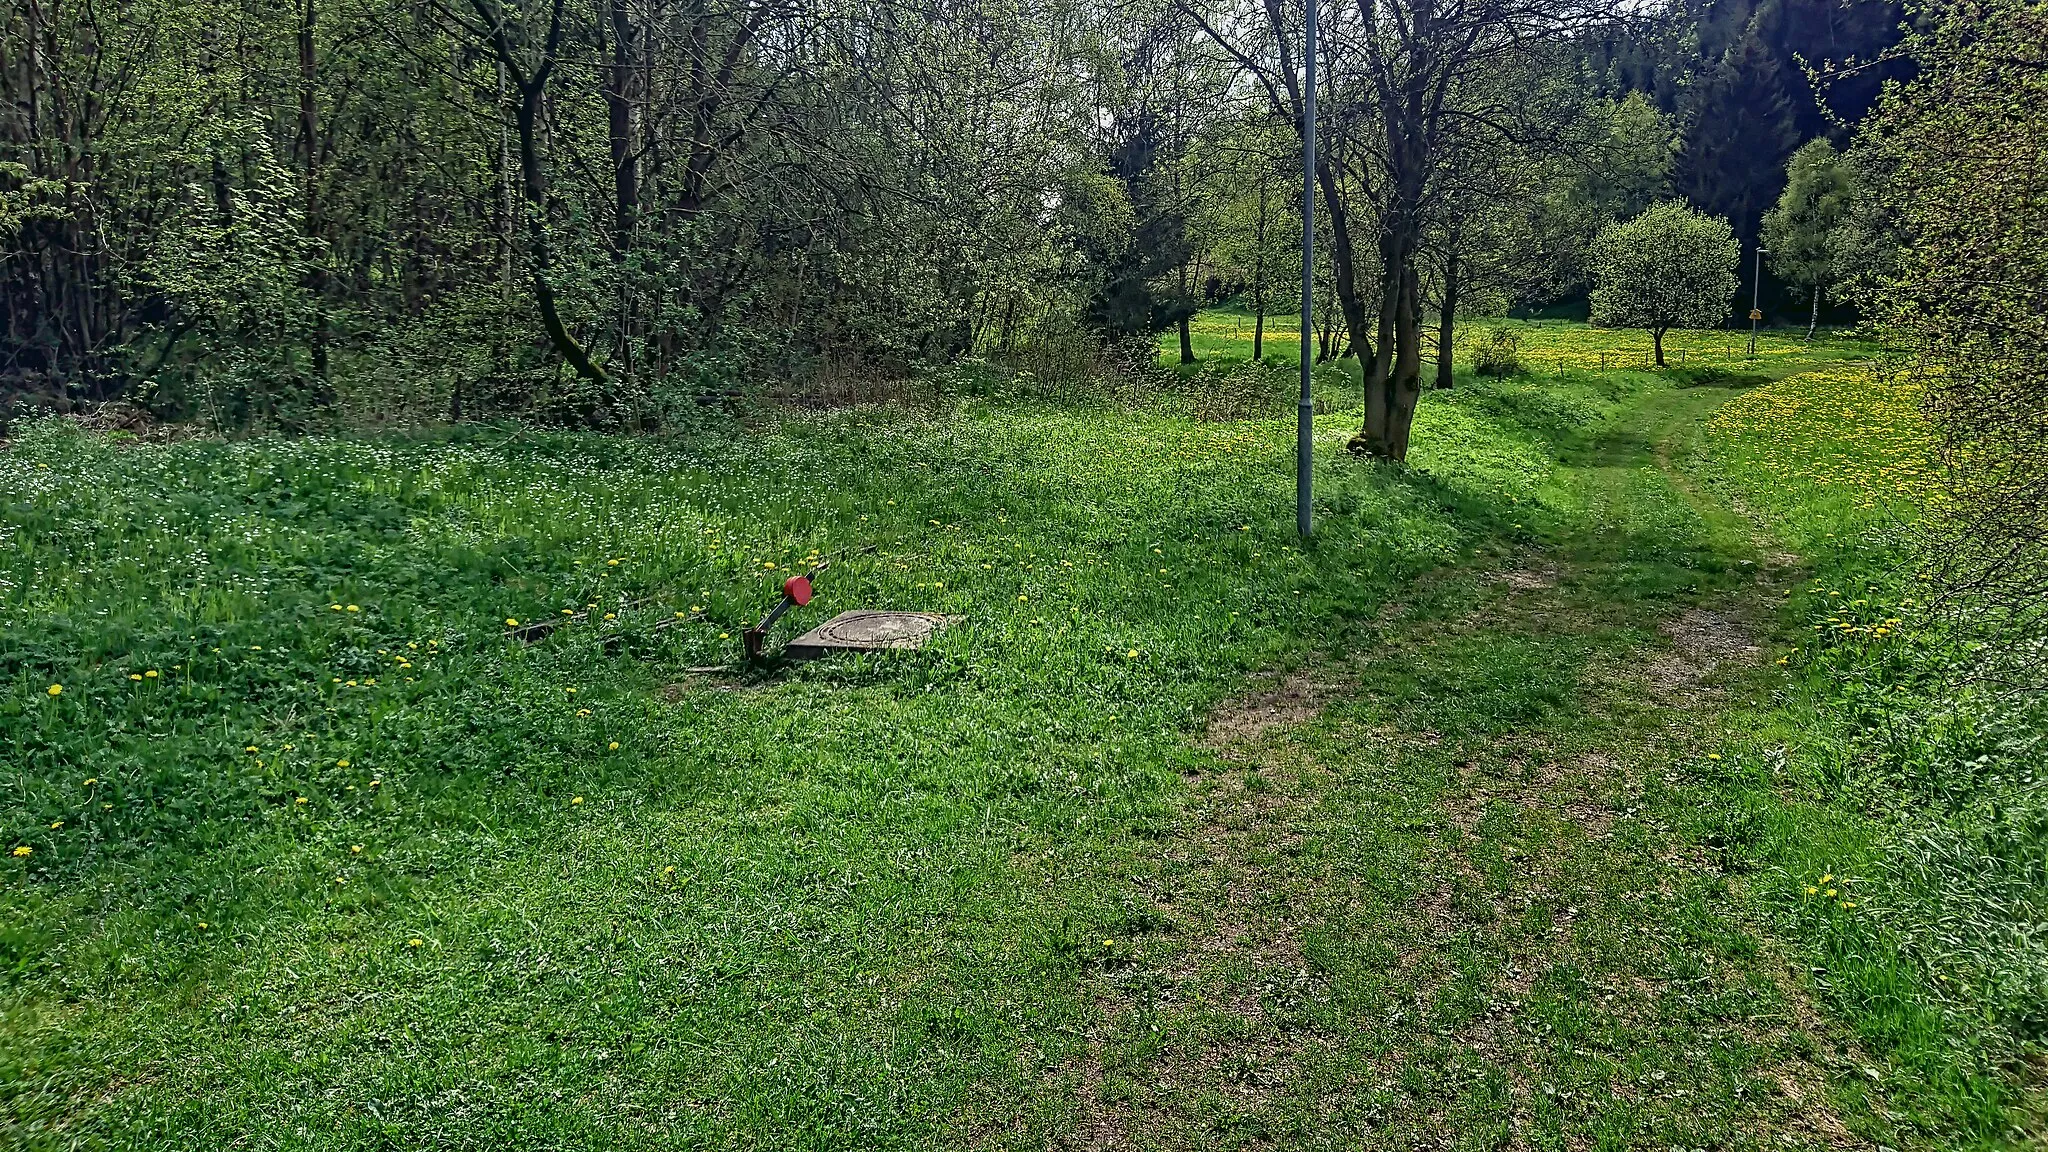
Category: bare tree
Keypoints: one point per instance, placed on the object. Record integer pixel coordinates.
(1416, 86)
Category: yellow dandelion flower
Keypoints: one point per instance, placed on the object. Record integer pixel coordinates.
(354, 608)
(1132, 654)
(614, 746)
(56, 824)
(414, 942)
(303, 800)
(56, 689)
(355, 849)
(511, 623)
(91, 780)
(135, 676)
(149, 675)
(22, 850)
(577, 800)
(611, 563)
(341, 763)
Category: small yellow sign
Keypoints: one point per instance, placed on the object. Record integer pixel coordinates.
(1756, 313)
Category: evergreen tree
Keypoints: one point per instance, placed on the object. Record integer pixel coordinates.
(1739, 131)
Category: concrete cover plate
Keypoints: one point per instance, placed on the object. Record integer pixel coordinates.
(868, 632)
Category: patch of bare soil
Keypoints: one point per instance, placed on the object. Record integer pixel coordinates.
(1244, 719)
(1702, 640)
(1528, 579)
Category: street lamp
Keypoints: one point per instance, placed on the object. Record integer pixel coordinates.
(1756, 289)
(1305, 412)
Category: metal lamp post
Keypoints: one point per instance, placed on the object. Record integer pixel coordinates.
(1304, 436)
(1756, 290)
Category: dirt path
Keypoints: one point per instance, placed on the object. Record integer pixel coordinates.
(1436, 893)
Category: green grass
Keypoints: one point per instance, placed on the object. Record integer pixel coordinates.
(965, 896)
(1880, 777)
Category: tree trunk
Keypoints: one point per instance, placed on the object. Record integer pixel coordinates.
(618, 99)
(1345, 268)
(1372, 438)
(533, 183)
(1445, 318)
(505, 226)
(1405, 387)
(1259, 276)
(1813, 322)
(1187, 343)
(309, 146)
(1657, 342)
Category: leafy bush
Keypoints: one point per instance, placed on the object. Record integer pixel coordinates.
(1955, 160)
(1499, 354)
(1239, 389)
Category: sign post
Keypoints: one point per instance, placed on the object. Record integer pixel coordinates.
(1756, 290)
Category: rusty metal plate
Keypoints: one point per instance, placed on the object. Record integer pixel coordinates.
(864, 631)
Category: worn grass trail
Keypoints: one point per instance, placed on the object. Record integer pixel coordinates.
(1444, 887)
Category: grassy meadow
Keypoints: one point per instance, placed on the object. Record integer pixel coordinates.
(1531, 804)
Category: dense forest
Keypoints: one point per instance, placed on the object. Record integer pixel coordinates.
(622, 214)
(603, 212)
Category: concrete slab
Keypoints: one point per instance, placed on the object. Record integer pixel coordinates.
(866, 631)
